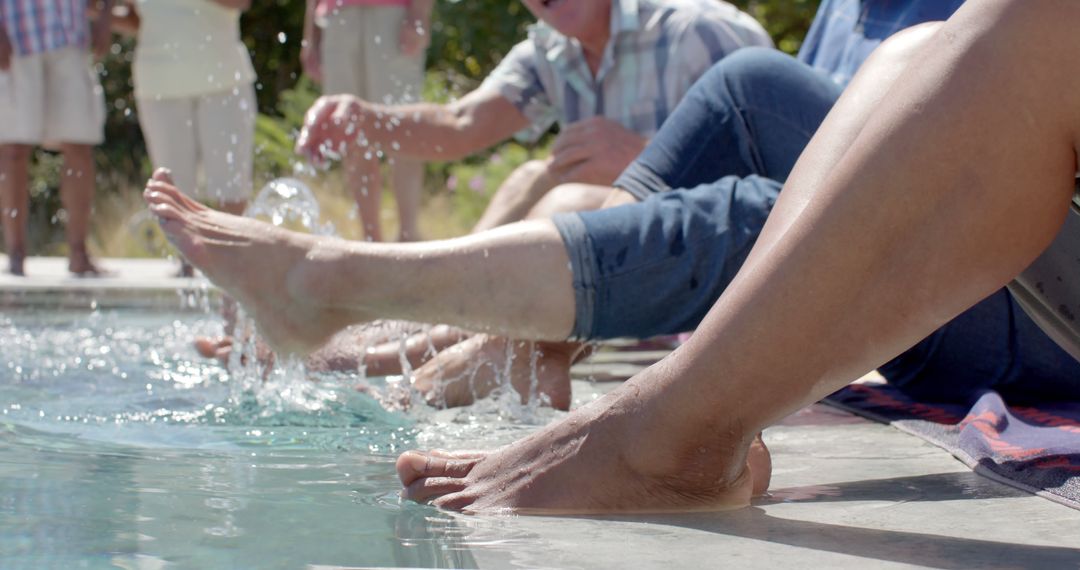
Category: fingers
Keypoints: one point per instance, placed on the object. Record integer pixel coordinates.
(313, 133)
(163, 175)
(213, 347)
(570, 157)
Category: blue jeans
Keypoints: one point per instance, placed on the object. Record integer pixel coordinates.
(707, 182)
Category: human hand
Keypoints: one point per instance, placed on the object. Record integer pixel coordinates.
(5, 51)
(594, 151)
(414, 36)
(331, 127)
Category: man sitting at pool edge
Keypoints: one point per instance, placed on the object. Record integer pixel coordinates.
(612, 69)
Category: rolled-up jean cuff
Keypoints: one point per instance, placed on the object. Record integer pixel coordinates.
(580, 251)
(640, 182)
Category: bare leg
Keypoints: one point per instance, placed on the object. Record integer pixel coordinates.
(407, 177)
(475, 367)
(15, 202)
(525, 186)
(77, 195)
(364, 180)
(950, 185)
(385, 358)
(302, 289)
(570, 198)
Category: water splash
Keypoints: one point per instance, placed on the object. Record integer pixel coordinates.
(289, 202)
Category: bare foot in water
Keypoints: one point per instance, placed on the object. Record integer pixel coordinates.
(472, 369)
(384, 358)
(628, 452)
(264, 267)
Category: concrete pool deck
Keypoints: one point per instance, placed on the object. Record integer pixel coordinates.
(846, 492)
(129, 283)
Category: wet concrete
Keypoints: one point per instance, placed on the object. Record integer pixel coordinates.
(846, 493)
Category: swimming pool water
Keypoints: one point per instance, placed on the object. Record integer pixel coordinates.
(121, 448)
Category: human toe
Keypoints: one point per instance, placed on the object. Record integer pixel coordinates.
(427, 488)
(415, 465)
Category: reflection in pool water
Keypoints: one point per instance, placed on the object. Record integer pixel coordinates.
(121, 447)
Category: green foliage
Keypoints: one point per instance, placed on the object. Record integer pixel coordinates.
(786, 20)
(471, 36)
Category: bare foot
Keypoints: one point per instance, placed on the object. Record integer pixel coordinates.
(384, 358)
(256, 263)
(477, 366)
(625, 453)
(81, 265)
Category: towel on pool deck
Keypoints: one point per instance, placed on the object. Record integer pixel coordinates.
(1036, 449)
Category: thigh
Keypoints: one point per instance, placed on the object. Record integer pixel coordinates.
(751, 114)
(570, 198)
(343, 53)
(22, 93)
(391, 77)
(169, 127)
(74, 99)
(226, 130)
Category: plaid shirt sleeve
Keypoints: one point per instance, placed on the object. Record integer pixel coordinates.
(517, 79)
(696, 48)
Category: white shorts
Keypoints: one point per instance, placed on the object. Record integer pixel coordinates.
(360, 56)
(206, 141)
(52, 98)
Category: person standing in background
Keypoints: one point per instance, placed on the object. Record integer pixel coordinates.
(50, 96)
(194, 87)
(373, 49)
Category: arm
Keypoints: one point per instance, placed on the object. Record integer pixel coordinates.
(101, 27)
(422, 131)
(5, 46)
(311, 46)
(416, 27)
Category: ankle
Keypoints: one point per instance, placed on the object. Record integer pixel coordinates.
(687, 450)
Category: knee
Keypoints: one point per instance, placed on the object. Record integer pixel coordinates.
(535, 167)
(572, 197)
(901, 47)
(745, 70)
(15, 154)
(78, 155)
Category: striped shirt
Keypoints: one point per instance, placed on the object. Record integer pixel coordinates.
(656, 52)
(846, 31)
(38, 26)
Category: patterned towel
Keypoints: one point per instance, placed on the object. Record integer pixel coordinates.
(1033, 448)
